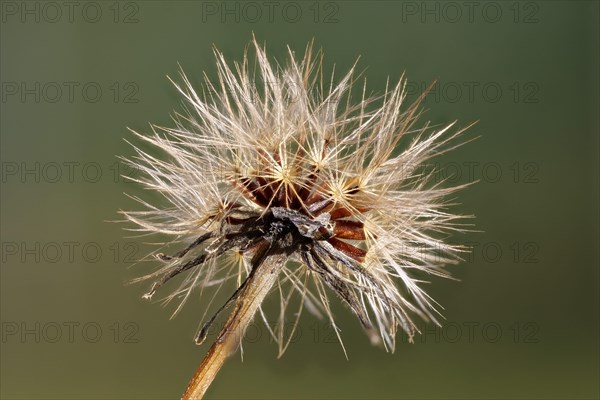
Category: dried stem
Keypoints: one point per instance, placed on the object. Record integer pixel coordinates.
(264, 273)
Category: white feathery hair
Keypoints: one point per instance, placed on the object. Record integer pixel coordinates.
(266, 137)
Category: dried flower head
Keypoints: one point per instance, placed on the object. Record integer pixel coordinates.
(276, 178)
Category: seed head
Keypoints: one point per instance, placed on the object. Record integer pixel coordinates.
(273, 158)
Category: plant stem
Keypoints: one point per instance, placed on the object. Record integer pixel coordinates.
(265, 271)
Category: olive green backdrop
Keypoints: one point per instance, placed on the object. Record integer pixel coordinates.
(522, 322)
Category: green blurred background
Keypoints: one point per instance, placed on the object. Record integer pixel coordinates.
(521, 323)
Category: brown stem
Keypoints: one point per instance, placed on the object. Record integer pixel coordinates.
(264, 274)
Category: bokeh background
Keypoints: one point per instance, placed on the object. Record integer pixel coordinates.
(522, 322)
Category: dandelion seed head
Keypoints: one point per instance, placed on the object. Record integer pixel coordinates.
(271, 153)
